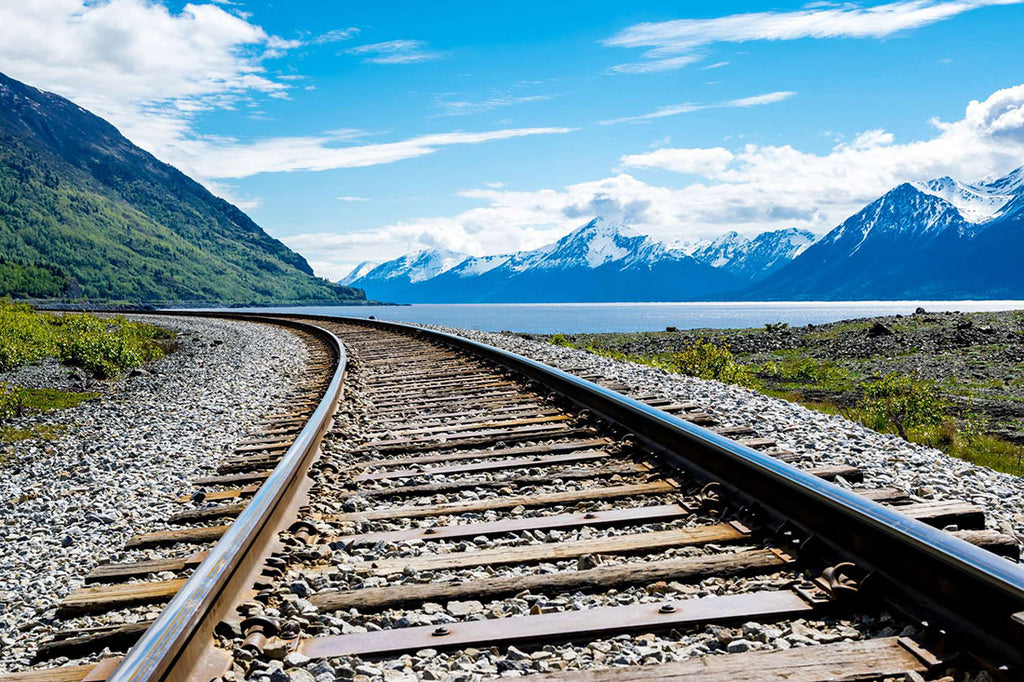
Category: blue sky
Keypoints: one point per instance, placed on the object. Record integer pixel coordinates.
(360, 131)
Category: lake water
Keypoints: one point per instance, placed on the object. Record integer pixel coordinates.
(540, 318)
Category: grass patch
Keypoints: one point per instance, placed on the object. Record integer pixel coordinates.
(9, 434)
(103, 347)
(793, 371)
(44, 399)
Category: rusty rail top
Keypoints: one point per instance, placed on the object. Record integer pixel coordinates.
(932, 574)
(157, 653)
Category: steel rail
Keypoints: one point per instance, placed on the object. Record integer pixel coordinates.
(974, 594)
(173, 647)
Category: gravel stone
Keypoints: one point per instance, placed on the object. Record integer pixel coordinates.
(118, 463)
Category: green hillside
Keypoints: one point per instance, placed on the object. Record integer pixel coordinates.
(84, 213)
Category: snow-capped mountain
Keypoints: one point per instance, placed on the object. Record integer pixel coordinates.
(754, 259)
(937, 239)
(980, 202)
(358, 271)
(600, 261)
(925, 240)
(414, 267)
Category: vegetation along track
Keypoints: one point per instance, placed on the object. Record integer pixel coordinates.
(471, 512)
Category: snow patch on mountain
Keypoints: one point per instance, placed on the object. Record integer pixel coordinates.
(754, 258)
(416, 267)
(976, 203)
(472, 267)
(357, 272)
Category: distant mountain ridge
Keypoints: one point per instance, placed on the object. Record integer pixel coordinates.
(600, 261)
(85, 213)
(921, 240)
(933, 240)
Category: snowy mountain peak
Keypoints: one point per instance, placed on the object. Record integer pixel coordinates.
(357, 272)
(598, 243)
(415, 267)
(978, 202)
(753, 258)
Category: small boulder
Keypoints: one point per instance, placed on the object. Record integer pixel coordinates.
(879, 329)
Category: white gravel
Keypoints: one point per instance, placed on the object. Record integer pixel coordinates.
(118, 462)
(885, 459)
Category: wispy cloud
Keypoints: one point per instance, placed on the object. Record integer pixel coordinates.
(467, 107)
(656, 65)
(687, 108)
(677, 43)
(352, 199)
(338, 35)
(397, 52)
(229, 159)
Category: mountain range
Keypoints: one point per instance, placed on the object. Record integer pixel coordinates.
(941, 239)
(84, 213)
(929, 240)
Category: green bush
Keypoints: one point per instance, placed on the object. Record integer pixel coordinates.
(561, 340)
(903, 403)
(10, 401)
(25, 336)
(706, 360)
(803, 371)
(103, 347)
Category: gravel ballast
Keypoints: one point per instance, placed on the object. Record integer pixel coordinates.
(117, 463)
(886, 460)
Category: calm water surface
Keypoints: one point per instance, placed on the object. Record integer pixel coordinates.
(540, 318)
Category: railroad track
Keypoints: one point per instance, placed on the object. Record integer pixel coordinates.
(469, 513)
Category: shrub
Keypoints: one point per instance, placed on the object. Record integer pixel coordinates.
(804, 371)
(25, 336)
(10, 401)
(101, 346)
(902, 402)
(105, 347)
(561, 340)
(706, 360)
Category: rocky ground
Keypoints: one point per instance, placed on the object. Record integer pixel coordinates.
(976, 358)
(887, 460)
(113, 466)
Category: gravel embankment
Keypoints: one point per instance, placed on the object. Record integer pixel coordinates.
(117, 463)
(886, 460)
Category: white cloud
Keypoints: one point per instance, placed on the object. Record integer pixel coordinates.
(657, 65)
(687, 108)
(230, 159)
(465, 107)
(677, 43)
(693, 161)
(337, 35)
(147, 70)
(352, 199)
(750, 189)
(396, 52)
